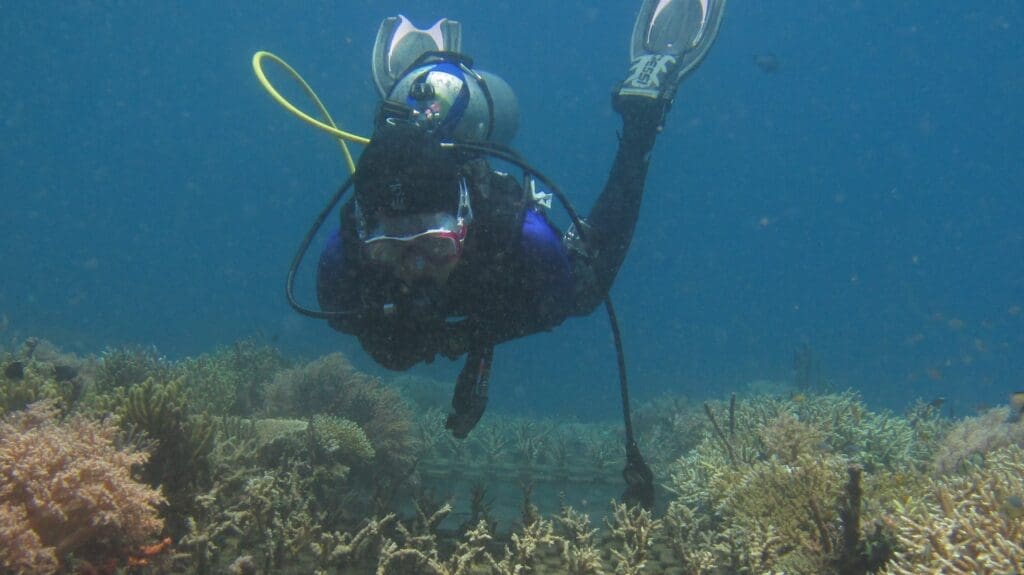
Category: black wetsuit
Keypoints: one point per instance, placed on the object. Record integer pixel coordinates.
(517, 274)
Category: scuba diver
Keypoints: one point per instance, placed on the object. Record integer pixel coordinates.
(439, 254)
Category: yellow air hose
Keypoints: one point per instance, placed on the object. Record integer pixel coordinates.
(330, 127)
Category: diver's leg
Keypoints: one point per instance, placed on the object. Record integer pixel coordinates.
(614, 216)
(670, 39)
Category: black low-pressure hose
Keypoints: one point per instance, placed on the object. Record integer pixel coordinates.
(638, 475)
(289, 288)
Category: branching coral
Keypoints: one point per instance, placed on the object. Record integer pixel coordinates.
(778, 493)
(122, 367)
(232, 379)
(339, 550)
(970, 524)
(398, 560)
(687, 533)
(633, 528)
(577, 540)
(527, 543)
(269, 513)
(65, 487)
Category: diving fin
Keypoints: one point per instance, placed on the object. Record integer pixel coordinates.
(399, 43)
(670, 39)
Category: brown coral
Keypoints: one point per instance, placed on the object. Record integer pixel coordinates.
(330, 385)
(972, 437)
(66, 487)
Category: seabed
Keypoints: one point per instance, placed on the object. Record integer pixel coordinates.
(244, 461)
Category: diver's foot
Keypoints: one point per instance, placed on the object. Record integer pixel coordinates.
(670, 39)
(649, 76)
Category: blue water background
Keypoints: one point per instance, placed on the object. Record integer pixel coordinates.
(865, 199)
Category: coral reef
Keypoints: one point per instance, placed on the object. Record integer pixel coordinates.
(67, 488)
(319, 468)
(779, 487)
(331, 386)
(180, 456)
(341, 438)
(122, 367)
(37, 372)
(231, 380)
(971, 523)
(971, 438)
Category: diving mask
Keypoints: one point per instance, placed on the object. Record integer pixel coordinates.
(436, 237)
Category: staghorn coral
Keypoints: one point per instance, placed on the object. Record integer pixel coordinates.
(786, 438)
(579, 552)
(398, 560)
(523, 555)
(341, 550)
(777, 494)
(65, 487)
(798, 501)
(268, 514)
(687, 534)
(633, 528)
(970, 523)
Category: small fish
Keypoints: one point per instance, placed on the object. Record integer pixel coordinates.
(937, 403)
(1016, 406)
(15, 370)
(767, 62)
(64, 372)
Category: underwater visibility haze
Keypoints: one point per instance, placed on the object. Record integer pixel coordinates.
(831, 231)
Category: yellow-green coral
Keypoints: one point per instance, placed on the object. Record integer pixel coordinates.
(122, 367)
(330, 385)
(969, 524)
(268, 430)
(27, 381)
(633, 528)
(341, 438)
(232, 379)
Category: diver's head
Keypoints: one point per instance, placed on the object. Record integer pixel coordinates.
(442, 93)
(412, 204)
